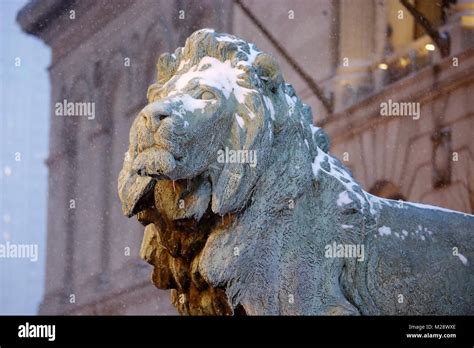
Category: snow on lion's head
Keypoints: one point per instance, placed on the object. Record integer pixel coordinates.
(215, 108)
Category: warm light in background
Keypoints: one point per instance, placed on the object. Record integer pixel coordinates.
(467, 22)
(430, 47)
(383, 66)
(404, 61)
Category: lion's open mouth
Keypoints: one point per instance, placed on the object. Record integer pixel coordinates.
(138, 177)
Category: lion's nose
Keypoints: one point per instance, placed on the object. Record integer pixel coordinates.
(153, 116)
(161, 116)
(154, 120)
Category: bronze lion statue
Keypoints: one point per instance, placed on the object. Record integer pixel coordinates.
(247, 213)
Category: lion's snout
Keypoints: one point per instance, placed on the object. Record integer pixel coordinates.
(153, 114)
(154, 162)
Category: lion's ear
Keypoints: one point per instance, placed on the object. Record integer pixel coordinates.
(152, 90)
(166, 67)
(269, 70)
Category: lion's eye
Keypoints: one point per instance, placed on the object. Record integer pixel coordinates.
(206, 95)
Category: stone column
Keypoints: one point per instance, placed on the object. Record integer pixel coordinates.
(356, 52)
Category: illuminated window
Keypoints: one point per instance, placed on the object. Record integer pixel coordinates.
(402, 27)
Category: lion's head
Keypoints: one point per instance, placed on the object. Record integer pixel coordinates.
(203, 141)
(217, 93)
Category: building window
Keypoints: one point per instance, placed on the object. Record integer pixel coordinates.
(408, 48)
(402, 27)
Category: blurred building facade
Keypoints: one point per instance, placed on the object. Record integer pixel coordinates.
(345, 58)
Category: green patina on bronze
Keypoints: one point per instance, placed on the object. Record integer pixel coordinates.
(272, 235)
